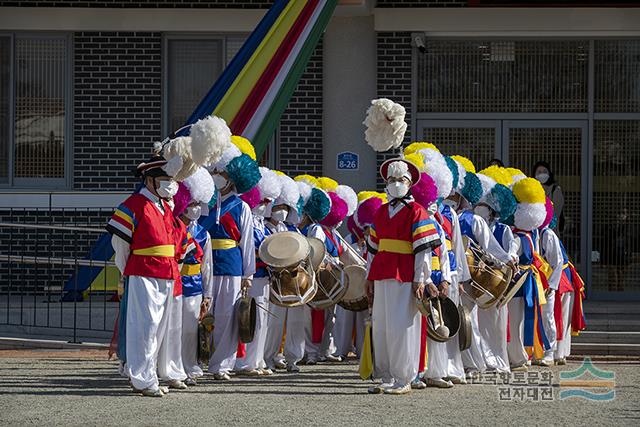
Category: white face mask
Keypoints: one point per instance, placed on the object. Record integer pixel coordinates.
(397, 190)
(193, 212)
(483, 212)
(280, 215)
(220, 181)
(451, 203)
(260, 210)
(542, 177)
(167, 189)
(433, 208)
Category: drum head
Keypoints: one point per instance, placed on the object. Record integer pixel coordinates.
(284, 249)
(357, 276)
(515, 285)
(317, 253)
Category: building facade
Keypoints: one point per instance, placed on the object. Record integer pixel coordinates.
(87, 86)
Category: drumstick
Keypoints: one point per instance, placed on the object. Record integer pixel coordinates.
(265, 309)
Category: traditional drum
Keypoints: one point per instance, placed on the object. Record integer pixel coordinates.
(246, 318)
(355, 298)
(318, 252)
(292, 278)
(489, 277)
(332, 285)
(443, 318)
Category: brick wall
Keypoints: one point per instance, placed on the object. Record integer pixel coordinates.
(200, 4)
(117, 106)
(394, 76)
(300, 133)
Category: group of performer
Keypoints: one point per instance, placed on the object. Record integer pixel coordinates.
(188, 246)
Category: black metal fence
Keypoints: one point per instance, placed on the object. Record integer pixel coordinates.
(57, 279)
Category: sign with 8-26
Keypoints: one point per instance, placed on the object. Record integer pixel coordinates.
(348, 161)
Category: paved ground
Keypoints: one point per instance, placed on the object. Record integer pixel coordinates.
(82, 388)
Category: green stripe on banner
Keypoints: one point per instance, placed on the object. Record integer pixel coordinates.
(272, 119)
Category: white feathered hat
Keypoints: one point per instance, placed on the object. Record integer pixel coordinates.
(385, 125)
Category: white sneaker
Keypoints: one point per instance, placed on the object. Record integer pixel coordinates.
(177, 384)
(221, 376)
(190, 382)
(164, 389)
(561, 362)
(521, 368)
(280, 364)
(333, 359)
(248, 372)
(293, 368)
(398, 389)
(379, 388)
(266, 372)
(438, 382)
(456, 380)
(152, 392)
(417, 384)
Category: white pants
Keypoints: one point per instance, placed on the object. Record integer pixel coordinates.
(226, 293)
(170, 355)
(563, 348)
(395, 323)
(455, 368)
(515, 348)
(346, 321)
(254, 358)
(148, 303)
(448, 361)
(493, 332)
(294, 343)
(549, 325)
(327, 346)
(190, 314)
(472, 358)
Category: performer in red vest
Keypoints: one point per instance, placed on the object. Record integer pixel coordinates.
(399, 266)
(143, 237)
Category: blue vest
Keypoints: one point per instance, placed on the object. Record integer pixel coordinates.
(466, 219)
(226, 262)
(498, 233)
(258, 238)
(292, 227)
(192, 285)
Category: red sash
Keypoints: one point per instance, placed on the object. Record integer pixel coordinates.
(422, 365)
(317, 325)
(331, 237)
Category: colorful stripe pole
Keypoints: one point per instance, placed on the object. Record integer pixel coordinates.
(251, 94)
(254, 90)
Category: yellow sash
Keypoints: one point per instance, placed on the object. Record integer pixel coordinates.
(395, 246)
(190, 269)
(162, 251)
(221, 244)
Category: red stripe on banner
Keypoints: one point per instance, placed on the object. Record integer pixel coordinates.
(425, 234)
(242, 118)
(123, 222)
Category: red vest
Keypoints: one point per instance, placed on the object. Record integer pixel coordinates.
(394, 239)
(153, 241)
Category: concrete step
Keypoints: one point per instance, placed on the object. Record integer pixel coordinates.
(607, 337)
(612, 308)
(10, 343)
(619, 323)
(588, 349)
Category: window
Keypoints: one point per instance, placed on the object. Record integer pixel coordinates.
(34, 102)
(192, 66)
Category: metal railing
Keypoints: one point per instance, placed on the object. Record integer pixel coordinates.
(56, 281)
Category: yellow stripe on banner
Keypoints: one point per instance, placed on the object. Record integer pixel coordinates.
(541, 298)
(191, 269)
(395, 246)
(256, 65)
(162, 250)
(222, 244)
(424, 228)
(124, 216)
(435, 262)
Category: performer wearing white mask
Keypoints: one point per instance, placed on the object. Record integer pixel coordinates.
(143, 239)
(230, 225)
(260, 199)
(476, 229)
(497, 202)
(399, 267)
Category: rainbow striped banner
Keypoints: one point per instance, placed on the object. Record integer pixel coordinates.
(255, 88)
(251, 95)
